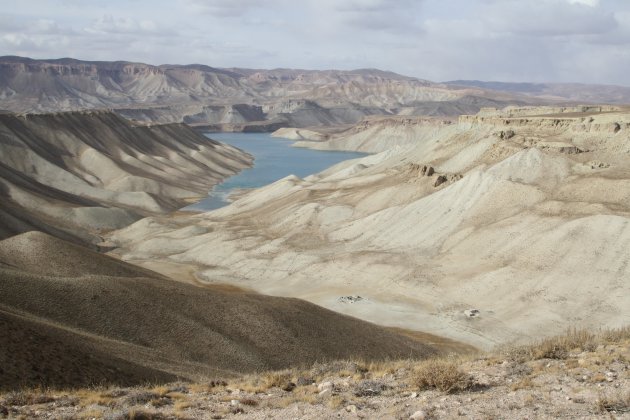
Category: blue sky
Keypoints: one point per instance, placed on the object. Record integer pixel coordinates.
(507, 40)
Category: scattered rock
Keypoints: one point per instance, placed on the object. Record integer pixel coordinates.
(413, 395)
(418, 415)
(351, 408)
(505, 135)
(234, 402)
(289, 387)
(302, 381)
(440, 180)
(471, 313)
(369, 388)
(326, 393)
(565, 148)
(325, 385)
(350, 299)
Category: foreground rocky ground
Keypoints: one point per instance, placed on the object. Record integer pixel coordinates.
(579, 375)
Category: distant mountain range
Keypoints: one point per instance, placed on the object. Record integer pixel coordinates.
(251, 99)
(574, 92)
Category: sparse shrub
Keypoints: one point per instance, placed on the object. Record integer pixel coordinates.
(619, 403)
(249, 401)
(304, 381)
(616, 335)
(369, 388)
(276, 379)
(237, 410)
(161, 401)
(181, 388)
(441, 374)
(519, 369)
(22, 398)
(525, 383)
(140, 397)
(116, 393)
(135, 414)
(216, 383)
(337, 368)
(558, 347)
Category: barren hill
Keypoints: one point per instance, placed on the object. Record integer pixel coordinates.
(76, 173)
(578, 92)
(72, 317)
(230, 99)
(497, 227)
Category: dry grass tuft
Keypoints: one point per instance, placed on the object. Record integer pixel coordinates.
(26, 397)
(441, 374)
(137, 414)
(276, 379)
(616, 335)
(558, 347)
(619, 403)
(525, 383)
(338, 368)
(249, 401)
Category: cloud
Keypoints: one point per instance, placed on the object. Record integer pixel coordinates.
(509, 40)
(109, 24)
(548, 18)
(591, 3)
(227, 8)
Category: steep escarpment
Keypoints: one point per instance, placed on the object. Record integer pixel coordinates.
(71, 317)
(230, 99)
(495, 228)
(74, 174)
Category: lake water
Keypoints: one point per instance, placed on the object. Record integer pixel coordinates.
(274, 160)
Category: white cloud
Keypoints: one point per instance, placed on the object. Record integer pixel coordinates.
(591, 3)
(510, 40)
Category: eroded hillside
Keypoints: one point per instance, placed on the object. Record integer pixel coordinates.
(77, 173)
(495, 228)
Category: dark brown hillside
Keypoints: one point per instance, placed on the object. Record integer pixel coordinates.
(95, 311)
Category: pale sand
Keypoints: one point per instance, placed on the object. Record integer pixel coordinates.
(533, 237)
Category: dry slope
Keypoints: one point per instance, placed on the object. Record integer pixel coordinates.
(500, 227)
(75, 173)
(71, 317)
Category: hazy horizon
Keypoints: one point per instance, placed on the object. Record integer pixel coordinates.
(568, 41)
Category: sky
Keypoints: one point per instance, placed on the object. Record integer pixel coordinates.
(585, 41)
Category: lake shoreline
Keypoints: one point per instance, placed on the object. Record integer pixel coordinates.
(274, 158)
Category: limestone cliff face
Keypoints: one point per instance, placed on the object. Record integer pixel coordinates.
(80, 172)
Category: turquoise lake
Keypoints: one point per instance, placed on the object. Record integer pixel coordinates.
(274, 160)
